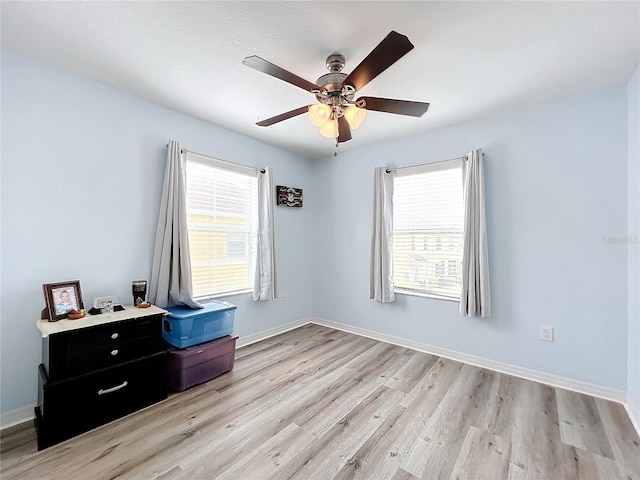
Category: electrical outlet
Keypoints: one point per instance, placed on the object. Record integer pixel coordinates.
(285, 299)
(546, 333)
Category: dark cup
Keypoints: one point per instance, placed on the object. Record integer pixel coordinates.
(139, 290)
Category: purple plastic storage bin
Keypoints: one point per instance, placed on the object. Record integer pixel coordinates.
(200, 363)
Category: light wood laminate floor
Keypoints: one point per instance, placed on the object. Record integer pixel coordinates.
(317, 403)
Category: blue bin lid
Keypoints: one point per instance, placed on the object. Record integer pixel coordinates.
(181, 311)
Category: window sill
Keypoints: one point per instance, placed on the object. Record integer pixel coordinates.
(212, 297)
(426, 295)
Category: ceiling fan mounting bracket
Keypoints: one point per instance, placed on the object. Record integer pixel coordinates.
(335, 63)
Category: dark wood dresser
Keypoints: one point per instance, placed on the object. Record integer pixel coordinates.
(97, 369)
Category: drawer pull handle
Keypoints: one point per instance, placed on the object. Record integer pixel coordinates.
(114, 352)
(114, 336)
(113, 389)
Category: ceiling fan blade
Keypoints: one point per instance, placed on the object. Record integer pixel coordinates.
(389, 105)
(344, 132)
(269, 68)
(391, 49)
(283, 116)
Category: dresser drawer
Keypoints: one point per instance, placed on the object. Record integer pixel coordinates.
(104, 357)
(103, 346)
(81, 403)
(113, 333)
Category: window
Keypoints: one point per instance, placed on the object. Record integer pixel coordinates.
(222, 219)
(427, 229)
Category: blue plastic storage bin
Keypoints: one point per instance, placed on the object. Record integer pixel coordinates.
(185, 326)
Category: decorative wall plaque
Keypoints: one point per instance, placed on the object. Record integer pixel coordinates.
(289, 196)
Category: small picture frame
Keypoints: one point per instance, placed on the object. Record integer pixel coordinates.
(289, 196)
(106, 304)
(62, 297)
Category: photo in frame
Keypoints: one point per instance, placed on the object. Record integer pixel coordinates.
(61, 298)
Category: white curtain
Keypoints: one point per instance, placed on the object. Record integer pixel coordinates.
(171, 273)
(381, 268)
(264, 284)
(475, 297)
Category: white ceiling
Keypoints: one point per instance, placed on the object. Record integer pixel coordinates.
(471, 59)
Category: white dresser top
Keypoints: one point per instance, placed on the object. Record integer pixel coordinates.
(48, 328)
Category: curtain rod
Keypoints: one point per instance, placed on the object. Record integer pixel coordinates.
(184, 150)
(389, 170)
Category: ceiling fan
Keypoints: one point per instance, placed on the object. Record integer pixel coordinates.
(337, 112)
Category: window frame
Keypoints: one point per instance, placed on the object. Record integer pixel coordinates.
(452, 164)
(215, 163)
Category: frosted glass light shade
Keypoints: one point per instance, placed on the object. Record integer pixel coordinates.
(355, 116)
(319, 114)
(330, 129)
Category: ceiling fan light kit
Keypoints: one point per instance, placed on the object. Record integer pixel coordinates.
(355, 116)
(336, 112)
(330, 129)
(319, 114)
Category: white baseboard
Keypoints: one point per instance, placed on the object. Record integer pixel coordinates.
(632, 411)
(528, 374)
(16, 417)
(271, 332)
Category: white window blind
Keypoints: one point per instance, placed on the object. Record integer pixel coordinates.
(427, 229)
(222, 218)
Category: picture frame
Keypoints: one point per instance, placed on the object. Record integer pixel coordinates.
(61, 297)
(106, 304)
(288, 196)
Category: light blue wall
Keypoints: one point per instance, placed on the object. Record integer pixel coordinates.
(633, 236)
(82, 169)
(556, 183)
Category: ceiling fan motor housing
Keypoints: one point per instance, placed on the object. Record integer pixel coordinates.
(332, 83)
